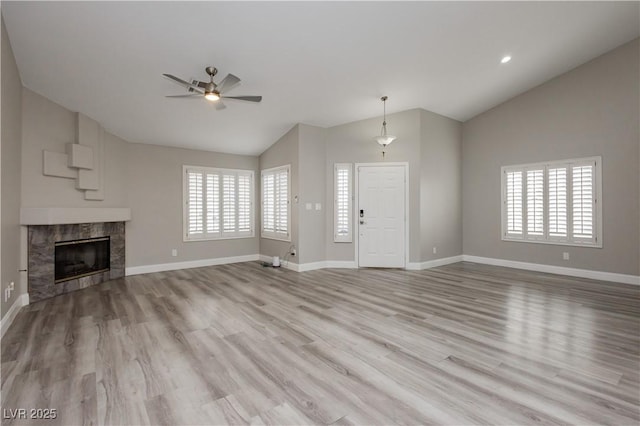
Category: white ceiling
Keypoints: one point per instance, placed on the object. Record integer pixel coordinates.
(320, 63)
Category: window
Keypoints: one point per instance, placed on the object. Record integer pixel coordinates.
(217, 203)
(276, 210)
(342, 203)
(555, 202)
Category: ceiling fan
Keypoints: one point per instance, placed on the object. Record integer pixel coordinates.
(211, 91)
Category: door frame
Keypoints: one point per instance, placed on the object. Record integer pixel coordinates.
(356, 210)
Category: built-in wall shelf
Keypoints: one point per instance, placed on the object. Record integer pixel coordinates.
(62, 216)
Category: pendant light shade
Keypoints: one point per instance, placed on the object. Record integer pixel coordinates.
(384, 139)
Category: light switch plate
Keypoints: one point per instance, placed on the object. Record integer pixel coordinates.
(308, 206)
(318, 206)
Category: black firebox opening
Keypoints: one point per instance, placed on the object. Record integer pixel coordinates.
(79, 258)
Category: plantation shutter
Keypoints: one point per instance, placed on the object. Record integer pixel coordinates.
(557, 201)
(514, 202)
(195, 203)
(268, 203)
(275, 203)
(229, 203)
(282, 195)
(342, 203)
(583, 202)
(535, 200)
(244, 203)
(213, 203)
(218, 203)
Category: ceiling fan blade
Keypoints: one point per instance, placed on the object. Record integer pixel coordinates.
(193, 95)
(245, 98)
(200, 84)
(183, 83)
(219, 105)
(228, 83)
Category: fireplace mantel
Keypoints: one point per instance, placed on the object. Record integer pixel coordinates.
(63, 216)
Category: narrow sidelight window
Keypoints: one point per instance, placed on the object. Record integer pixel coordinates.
(343, 201)
(276, 205)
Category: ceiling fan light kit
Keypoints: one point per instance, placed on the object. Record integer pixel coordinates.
(384, 139)
(211, 96)
(210, 90)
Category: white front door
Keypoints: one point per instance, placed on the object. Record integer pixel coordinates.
(381, 216)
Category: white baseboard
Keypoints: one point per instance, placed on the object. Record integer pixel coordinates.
(561, 270)
(22, 300)
(413, 266)
(286, 264)
(418, 266)
(312, 266)
(326, 264)
(161, 267)
(341, 264)
(283, 264)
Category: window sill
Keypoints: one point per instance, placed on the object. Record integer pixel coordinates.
(553, 243)
(271, 237)
(195, 240)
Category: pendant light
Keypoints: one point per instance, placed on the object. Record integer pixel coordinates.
(384, 139)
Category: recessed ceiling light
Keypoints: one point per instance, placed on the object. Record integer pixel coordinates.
(505, 59)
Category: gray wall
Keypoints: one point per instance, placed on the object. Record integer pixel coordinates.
(430, 143)
(283, 152)
(312, 232)
(440, 186)
(146, 178)
(155, 195)
(11, 134)
(353, 143)
(49, 126)
(591, 110)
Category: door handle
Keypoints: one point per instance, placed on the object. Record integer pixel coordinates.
(361, 222)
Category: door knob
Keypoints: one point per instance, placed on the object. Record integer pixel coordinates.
(361, 222)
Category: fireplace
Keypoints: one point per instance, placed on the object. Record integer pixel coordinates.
(68, 257)
(81, 258)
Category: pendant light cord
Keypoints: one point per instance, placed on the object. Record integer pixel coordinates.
(384, 116)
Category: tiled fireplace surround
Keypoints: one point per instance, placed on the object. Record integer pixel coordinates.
(41, 256)
(46, 225)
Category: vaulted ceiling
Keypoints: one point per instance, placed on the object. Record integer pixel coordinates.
(320, 63)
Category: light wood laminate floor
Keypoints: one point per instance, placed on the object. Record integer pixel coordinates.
(239, 344)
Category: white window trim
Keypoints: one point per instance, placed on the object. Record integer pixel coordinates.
(272, 235)
(221, 235)
(560, 241)
(349, 237)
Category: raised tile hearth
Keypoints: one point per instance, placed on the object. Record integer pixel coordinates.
(42, 248)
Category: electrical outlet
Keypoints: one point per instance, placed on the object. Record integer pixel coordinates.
(435, 250)
(174, 252)
(565, 255)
